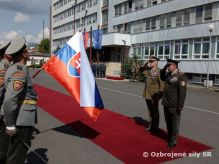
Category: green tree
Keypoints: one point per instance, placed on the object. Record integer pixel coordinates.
(44, 46)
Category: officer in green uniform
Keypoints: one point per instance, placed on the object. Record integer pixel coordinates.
(173, 98)
(4, 64)
(153, 91)
(20, 102)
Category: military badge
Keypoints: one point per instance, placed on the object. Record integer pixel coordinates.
(183, 83)
(18, 85)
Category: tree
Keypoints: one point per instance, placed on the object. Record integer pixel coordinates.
(44, 46)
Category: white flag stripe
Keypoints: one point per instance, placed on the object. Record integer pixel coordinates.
(87, 81)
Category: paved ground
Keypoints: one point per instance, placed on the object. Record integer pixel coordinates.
(61, 145)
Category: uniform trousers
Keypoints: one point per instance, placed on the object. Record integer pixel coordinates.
(4, 138)
(17, 151)
(172, 118)
(153, 111)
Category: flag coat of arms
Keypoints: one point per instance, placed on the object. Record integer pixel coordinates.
(71, 68)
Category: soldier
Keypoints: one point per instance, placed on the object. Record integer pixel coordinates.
(135, 70)
(153, 91)
(173, 98)
(4, 64)
(20, 103)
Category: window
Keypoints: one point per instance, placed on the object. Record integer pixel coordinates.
(177, 49)
(217, 48)
(105, 3)
(105, 18)
(153, 23)
(185, 49)
(168, 21)
(208, 12)
(160, 50)
(118, 10)
(148, 3)
(152, 49)
(206, 48)
(216, 79)
(137, 50)
(181, 49)
(154, 2)
(162, 21)
(199, 13)
(186, 17)
(126, 10)
(137, 4)
(167, 50)
(146, 51)
(130, 4)
(148, 24)
(179, 18)
(201, 48)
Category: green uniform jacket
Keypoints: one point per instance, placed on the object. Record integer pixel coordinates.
(175, 90)
(153, 83)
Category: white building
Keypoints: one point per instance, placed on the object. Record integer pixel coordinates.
(177, 29)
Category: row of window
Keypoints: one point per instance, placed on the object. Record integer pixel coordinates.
(90, 19)
(175, 19)
(200, 78)
(59, 42)
(61, 3)
(78, 8)
(134, 5)
(200, 49)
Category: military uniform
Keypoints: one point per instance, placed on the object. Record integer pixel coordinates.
(173, 101)
(152, 93)
(4, 64)
(20, 105)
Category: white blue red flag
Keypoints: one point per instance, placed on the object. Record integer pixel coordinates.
(71, 68)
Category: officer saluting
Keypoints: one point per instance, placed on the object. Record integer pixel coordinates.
(20, 102)
(173, 98)
(153, 91)
(4, 64)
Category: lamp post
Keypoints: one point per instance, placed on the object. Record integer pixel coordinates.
(210, 28)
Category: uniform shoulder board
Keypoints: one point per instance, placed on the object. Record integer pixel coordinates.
(19, 67)
(18, 74)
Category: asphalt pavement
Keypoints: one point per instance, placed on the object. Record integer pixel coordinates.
(59, 144)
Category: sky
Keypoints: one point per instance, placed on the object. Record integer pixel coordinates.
(24, 17)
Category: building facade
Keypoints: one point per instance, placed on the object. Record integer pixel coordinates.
(177, 29)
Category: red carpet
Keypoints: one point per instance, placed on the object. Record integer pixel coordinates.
(121, 136)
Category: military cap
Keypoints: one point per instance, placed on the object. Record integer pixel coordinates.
(153, 58)
(170, 61)
(17, 46)
(3, 47)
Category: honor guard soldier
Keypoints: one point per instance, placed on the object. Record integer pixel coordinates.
(20, 102)
(4, 64)
(153, 91)
(173, 98)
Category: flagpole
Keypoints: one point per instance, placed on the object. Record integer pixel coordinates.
(97, 50)
(84, 36)
(90, 44)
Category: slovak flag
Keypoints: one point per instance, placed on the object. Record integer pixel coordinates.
(71, 68)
